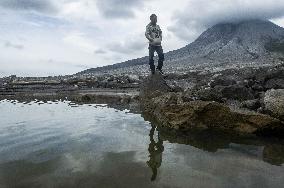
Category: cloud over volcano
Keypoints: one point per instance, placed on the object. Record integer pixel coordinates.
(201, 14)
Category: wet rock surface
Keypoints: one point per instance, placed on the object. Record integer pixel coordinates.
(205, 114)
(108, 89)
(190, 110)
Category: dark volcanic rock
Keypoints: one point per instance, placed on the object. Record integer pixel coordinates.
(257, 87)
(154, 85)
(172, 112)
(251, 104)
(265, 78)
(274, 83)
(223, 81)
(237, 92)
(221, 93)
(209, 94)
(104, 98)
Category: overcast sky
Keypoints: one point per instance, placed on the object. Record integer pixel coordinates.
(58, 37)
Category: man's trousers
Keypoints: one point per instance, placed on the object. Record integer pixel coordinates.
(160, 53)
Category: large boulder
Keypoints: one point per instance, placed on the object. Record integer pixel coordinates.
(132, 78)
(274, 102)
(153, 86)
(176, 111)
(172, 112)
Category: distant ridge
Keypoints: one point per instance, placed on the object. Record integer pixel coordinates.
(243, 41)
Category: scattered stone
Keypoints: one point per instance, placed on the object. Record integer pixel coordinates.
(209, 94)
(236, 92)
(274, 103)
(222, 81)
(251, 104)
(274, 83)
(257, 87)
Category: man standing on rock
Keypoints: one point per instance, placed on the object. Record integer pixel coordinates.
(154, 35)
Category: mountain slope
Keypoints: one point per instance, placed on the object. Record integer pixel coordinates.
(226, 42)
(242, 40)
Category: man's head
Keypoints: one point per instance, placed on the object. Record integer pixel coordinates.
(153, 19)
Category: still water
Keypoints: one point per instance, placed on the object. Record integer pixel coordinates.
(62, 144)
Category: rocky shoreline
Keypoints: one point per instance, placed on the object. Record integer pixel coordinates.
(245, 100)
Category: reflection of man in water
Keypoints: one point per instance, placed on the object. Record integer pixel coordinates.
(155, 150)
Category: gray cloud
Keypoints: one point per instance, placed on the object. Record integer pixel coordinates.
(127, 47)
(201, 14)
(45, 6)
(11, 45)
(100, 51)
(119, 8)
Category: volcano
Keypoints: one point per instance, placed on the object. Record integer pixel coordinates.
(245, 41)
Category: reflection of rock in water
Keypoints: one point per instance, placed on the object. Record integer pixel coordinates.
(274, 154)
(212, 140)
(155, 153)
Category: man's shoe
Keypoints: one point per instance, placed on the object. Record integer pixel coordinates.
(153, 71)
